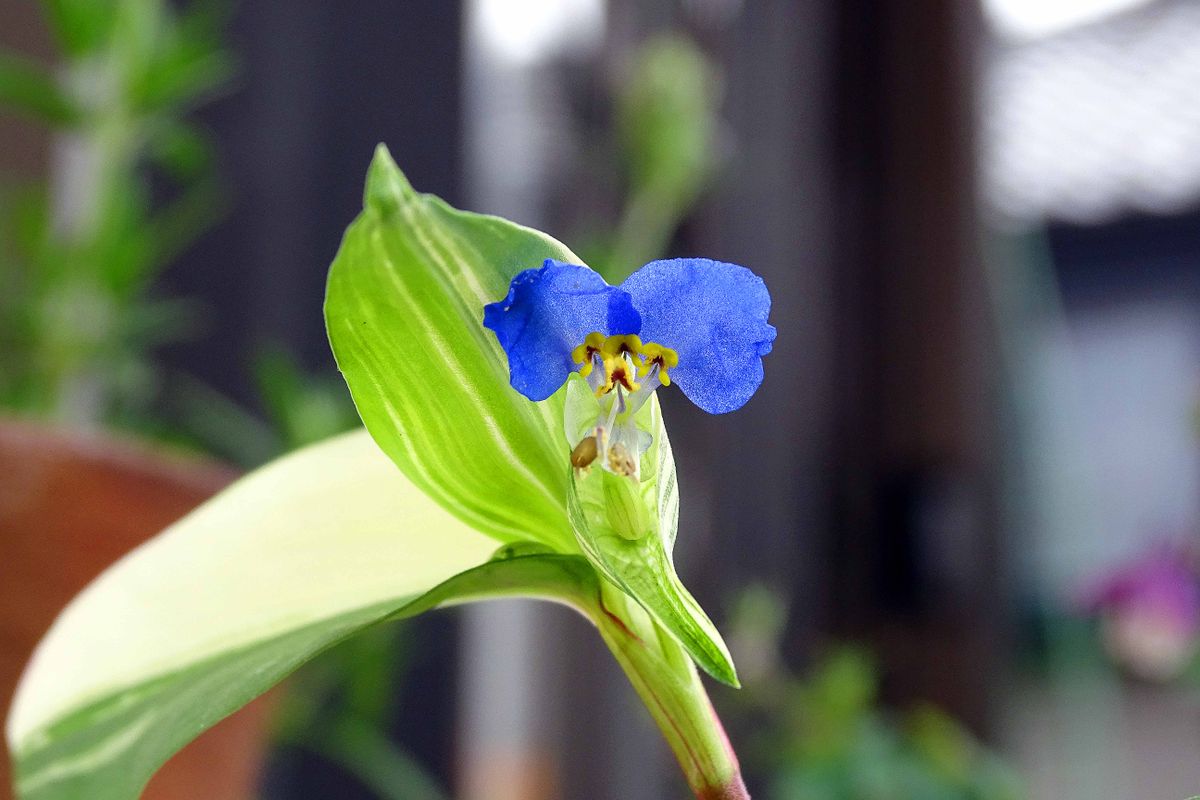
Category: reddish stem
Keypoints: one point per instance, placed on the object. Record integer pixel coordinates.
(734, 790)
(665, 677)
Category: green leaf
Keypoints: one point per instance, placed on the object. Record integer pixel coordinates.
(81, 26)
(27, 88)
(224, 604)
(302, 408)
(404, 309)
(627, 531)
(180, 149)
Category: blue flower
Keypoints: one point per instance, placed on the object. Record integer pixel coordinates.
(547, 313)
(699, 323)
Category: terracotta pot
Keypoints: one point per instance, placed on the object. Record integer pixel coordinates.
(70, 505)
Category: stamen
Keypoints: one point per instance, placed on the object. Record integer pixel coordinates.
(649, 383)
(584, 453)
(585, 354)
(612, 413)
(596, 377)
(621, 461)
(621, 345)
(654, 354)
(620, 376)
(617, 443)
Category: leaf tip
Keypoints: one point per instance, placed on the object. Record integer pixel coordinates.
(386, 186)
(720, 668)
(710, 652)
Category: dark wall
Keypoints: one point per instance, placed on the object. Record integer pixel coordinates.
(1139, 257)
(916, 560)
(318, 88)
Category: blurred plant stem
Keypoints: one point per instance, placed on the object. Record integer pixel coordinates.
(89, 161)
(648, 222)
(666, 122)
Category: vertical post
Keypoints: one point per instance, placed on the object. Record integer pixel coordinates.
(914, 469)
(773, 213)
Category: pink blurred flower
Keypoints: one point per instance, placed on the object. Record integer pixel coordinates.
(1149, 611)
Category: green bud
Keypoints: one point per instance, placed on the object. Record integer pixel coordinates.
(627, 511)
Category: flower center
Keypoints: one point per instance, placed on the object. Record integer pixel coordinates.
(623, 357)
(623, 374)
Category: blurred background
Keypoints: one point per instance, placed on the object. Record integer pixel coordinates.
(954, 539)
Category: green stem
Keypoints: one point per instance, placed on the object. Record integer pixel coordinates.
(666, 679)
(649, 220)
(660, 670)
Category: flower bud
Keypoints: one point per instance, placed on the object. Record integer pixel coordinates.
(627, 510)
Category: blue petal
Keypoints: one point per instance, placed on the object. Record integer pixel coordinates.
(714, 315)
(547, 313)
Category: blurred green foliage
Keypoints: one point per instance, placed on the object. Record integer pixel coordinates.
(665, 130)
(825, 736)
(132, 185)
(300, 408)
(340, 706)
(666, 119)
(832, 741)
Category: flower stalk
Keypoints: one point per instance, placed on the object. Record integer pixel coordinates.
(660, 670)
(668, 683)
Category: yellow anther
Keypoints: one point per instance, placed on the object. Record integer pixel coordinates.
(620, 354)
(666, 358)
(618, 346)
(585, 352)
